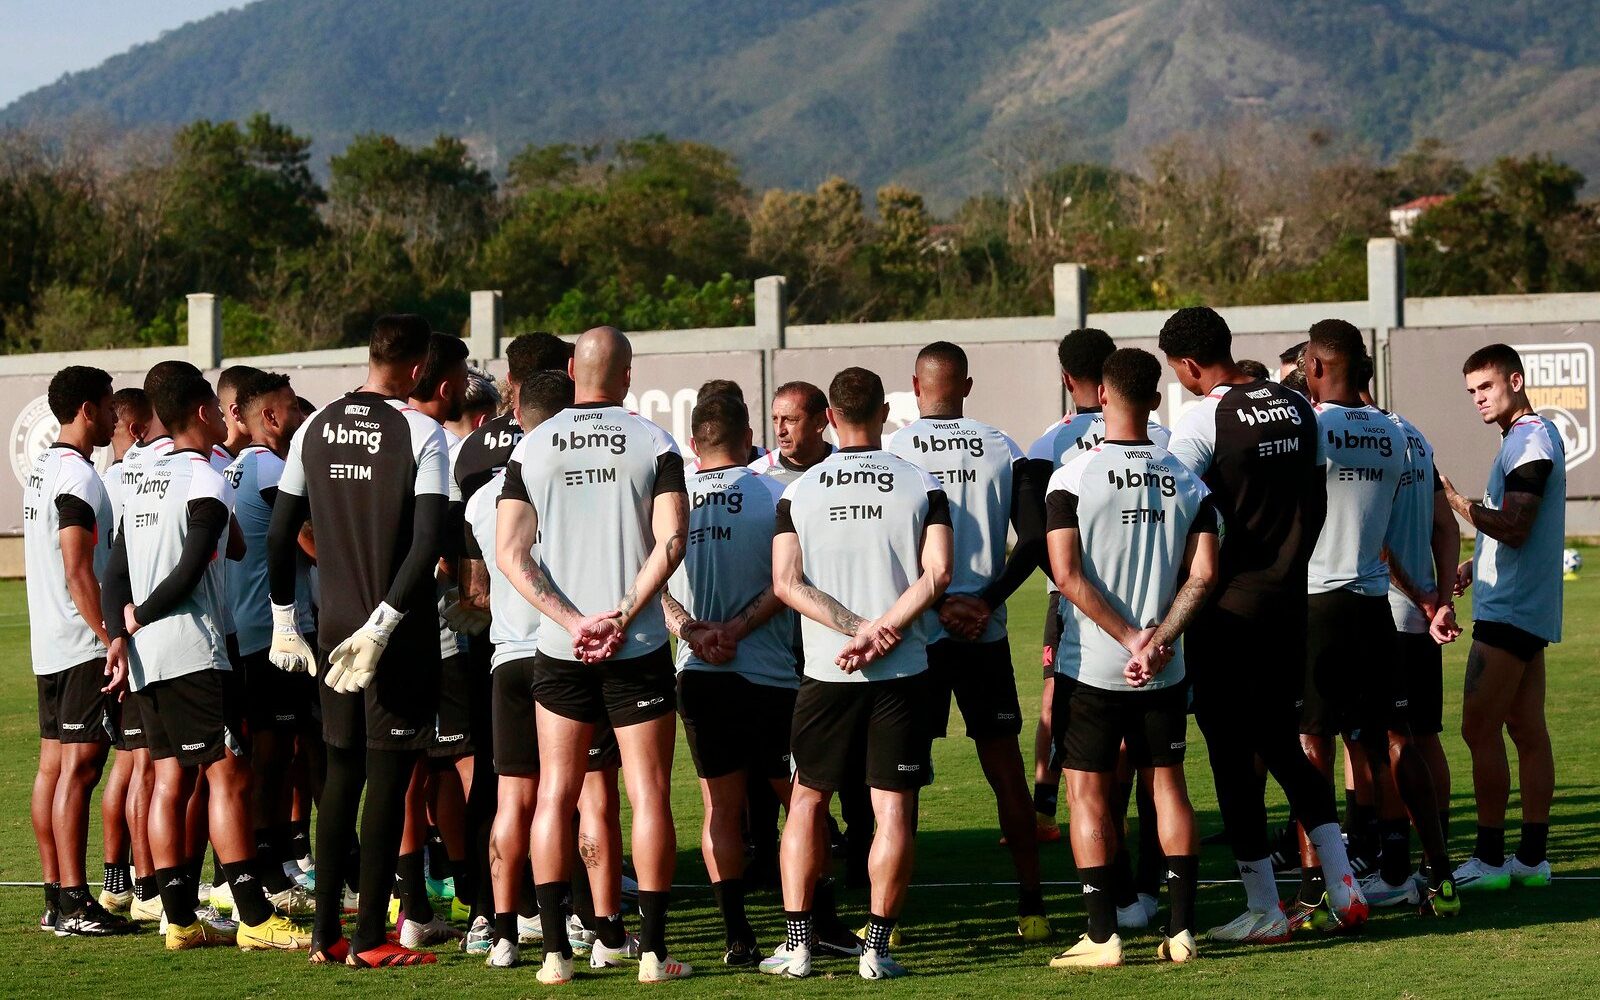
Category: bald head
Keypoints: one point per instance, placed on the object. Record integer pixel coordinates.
(940, 380)
(601, 360)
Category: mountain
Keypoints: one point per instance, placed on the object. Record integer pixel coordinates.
(924, 92)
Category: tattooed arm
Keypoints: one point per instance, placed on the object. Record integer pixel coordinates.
(678, 618)
(669, 521)
(1200, 562)
(790, 587)
(515, 527)
(1511, 524)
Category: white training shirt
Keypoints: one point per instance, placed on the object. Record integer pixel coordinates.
(63, 490)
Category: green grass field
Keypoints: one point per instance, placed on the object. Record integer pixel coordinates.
(959, 939)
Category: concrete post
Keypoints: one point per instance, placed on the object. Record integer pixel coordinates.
(1072, 296)
(205, 331)
(772, 317)
(1386, 305)
(485, 326)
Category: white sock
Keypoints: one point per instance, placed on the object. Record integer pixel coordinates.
(1260, 891)
(1330, 851)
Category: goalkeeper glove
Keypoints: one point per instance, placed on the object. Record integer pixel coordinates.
(289, 649)
(353, 662)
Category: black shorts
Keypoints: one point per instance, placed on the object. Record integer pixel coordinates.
(195, 718)
(274, 699)
(1353, 676)
(1422, 666)
(734, 724)
(127, 724)
(1522, 644)
(843, 728)
(464, 706)
(1091, 724)
(72, 708)
(624, 692)
(399, 710)
(514, 724)
(1052, 632)
(980, 677)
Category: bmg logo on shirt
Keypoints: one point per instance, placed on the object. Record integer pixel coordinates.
(1253, 415)
(971, 445)
(364, 435)
(1382, 443)
(733, 500)
(1132, 479)
(611, 438)
(867, 475)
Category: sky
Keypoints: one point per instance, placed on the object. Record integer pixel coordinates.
(42, 39)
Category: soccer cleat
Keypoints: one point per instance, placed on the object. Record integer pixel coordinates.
(440, 890)
(876, 966)
(1477, 876)
(1254, 927)
(479, 939)
(504, 954)
(116, 903)
(557, 969)
(794, 963)
(221, 898)
(579, 938)
(415, 935)
(653, 969)
(304, 878)
(91, 921)
(529, 930)
(1151, 905)
(1380, 893)
(1179, 948)
(1032, 929)
(349, 900)
(292, 902)
(832, 937)
(1132, 917)
(459, 910)
(894, 936)
(337, 953)
(1532, 876)
(602, 957)
(145, 909)
(276, 933)
(741, 954)
(1086, 954)
(1304, 916)
(1442, 900)
(1345, 904)
(200, 934)
(48, 920)
(389, 956)
(1046, 829)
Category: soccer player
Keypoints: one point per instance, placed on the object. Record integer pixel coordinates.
(1516, 611)
(1353, 682)
(736, 676)
(863, 548)
(1254, 445)
(67, 530)
(277, 705)
(372, 475)
(723, 387)
(1133, 549)
(164, 595)
(799, 421)
(1289, 360)
(986, 480)
(229, 381)
(606, 487)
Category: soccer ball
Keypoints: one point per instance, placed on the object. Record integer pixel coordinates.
(1571, 561)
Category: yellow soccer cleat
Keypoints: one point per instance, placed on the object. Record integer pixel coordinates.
(276, 933)
(1033, 928)
(200, 934)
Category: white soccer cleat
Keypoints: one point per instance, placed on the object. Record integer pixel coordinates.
(1132, 917)
(504, 955)
(529, 930)
(1475, 875)
(480, 938)
(1347, 904)
(602, 957)
(1532, 876)
(794, 963)
(1151, 905)
(117, 903)
(876, 966)
(221, 897)
(416, 935)
(293, 902)
(1253, 927)
(579, 938)
(145, 909)
(1380, 893)
(1179, 948)
(661, 970)
(1086, 954)
(557, 969)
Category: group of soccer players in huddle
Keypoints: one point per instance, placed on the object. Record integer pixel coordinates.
(460, 608)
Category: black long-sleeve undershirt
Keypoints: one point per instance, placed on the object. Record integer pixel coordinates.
(1027, 517)
(289, 512)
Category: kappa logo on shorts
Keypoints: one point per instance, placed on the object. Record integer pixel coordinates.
(1004, 716)
(653, 701)
(192, 746)
(402, 732)
(73, 725)
(910, 768)
(455, 738)
(1179, 745)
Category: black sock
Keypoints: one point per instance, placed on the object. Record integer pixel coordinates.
(352, 864)
(1150, 869)
(463, 872)
(336, 835)
(1394, 861)
(878, 931)
(1122, 876)
(1097, 900)
(1030, 902)
(436, 865)
(115, 878)
(823, 904)
(653, 923)
(146, 888)
(505, 927)
(1045, 794)
(52, 896)
(218, 876)
(1182, 870)
(383, 822)
(1312, 885)
(194, 871)
(797, 928)
(250, 904)
(528, 894)
(730, 903)
(299, 842)
(269, 865)
(176, 898)
(1491, 847)
(1444, 827)
(1535, 843)
(610, 930)
(553, 903)
(74, 898)
(411, 888)
(1352, 812)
